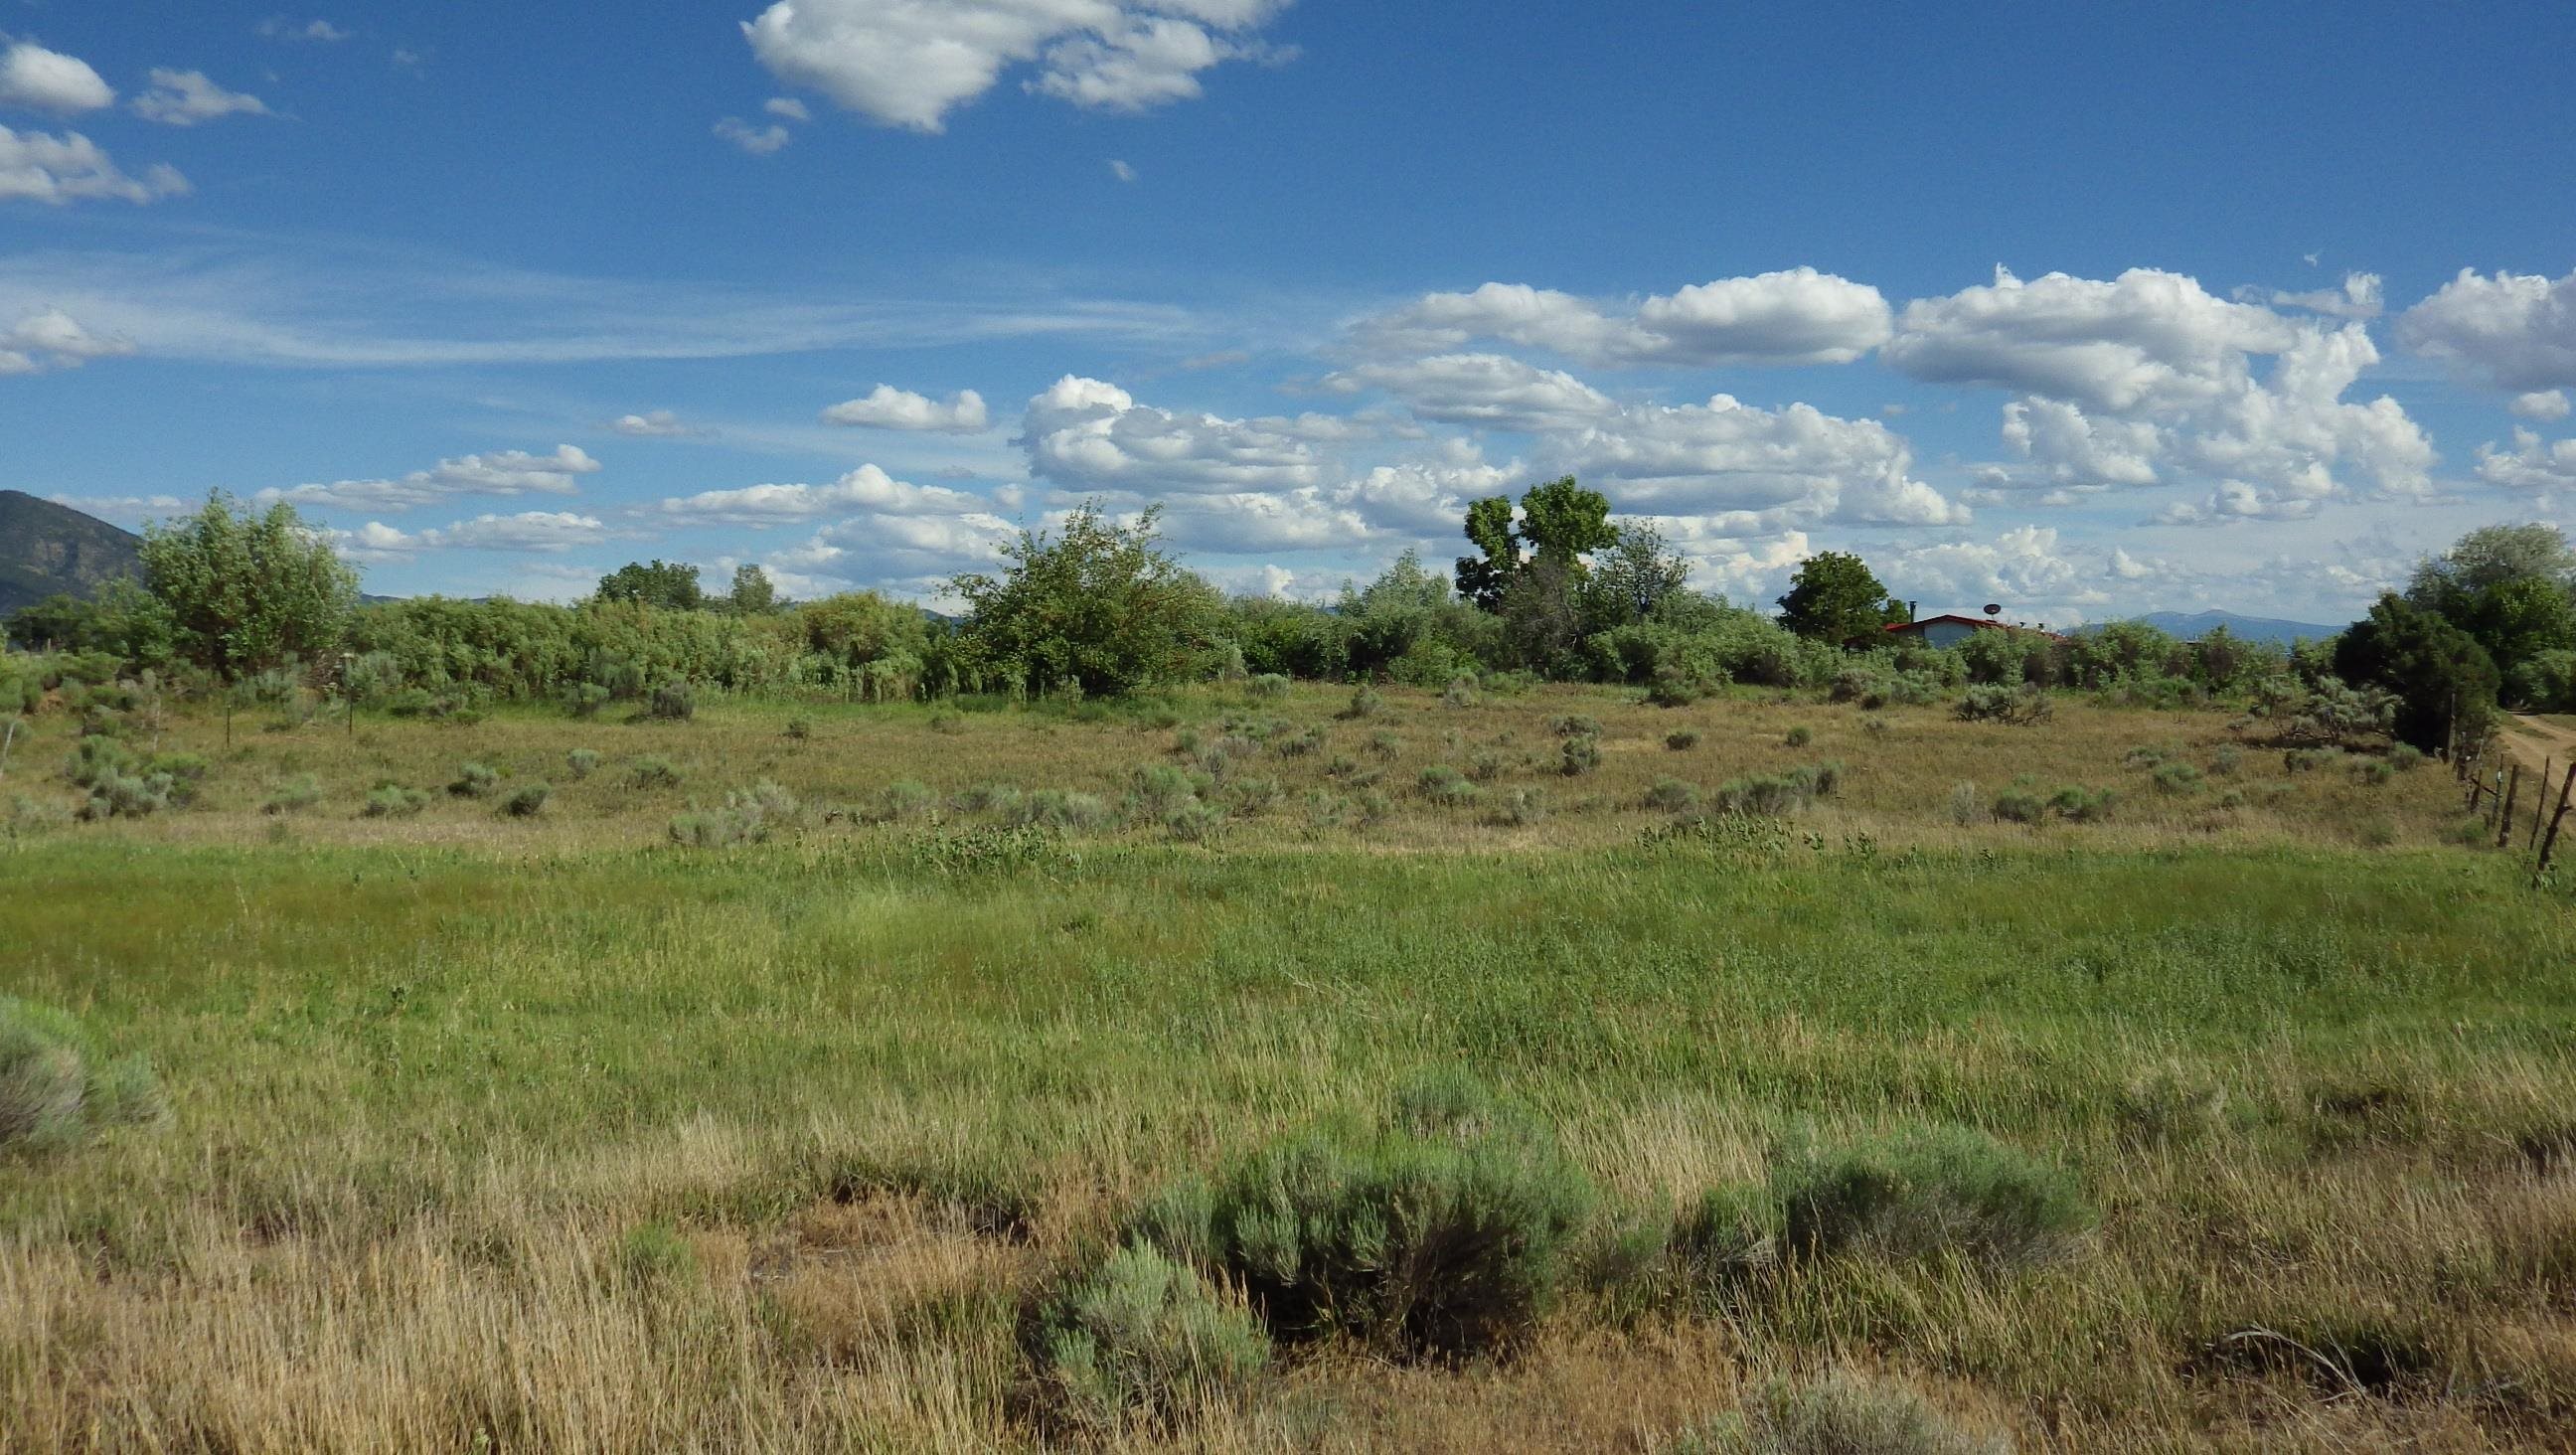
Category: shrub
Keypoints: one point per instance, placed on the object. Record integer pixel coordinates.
(798, 730)
(1386, 745)
(1776, 795)
(899, 800)
(2081, 805)
(2018, 805)
(653, 773)
(294, 795)
(475, 780)
(2176, 778)
(125, 795)
(1193, 822)
(580, 763)
(2226, 761)
(1144, 1336)
(1928, 1193)
(1682, 740)
(1269, 686)
(1966, 807)
(1672, 795)
(1326, 809)
(1522, 808)
(527, 800)
(1578, 755)
(2405, 757)
(2374, 772)
(1447, 787)
(1440, 1231)
(1461, 692)
(1799, 737)
(1837, 1415)
(998, 798)
(1310, 741)
(1251, 797)
(392, 800)
(1365, 703)
(585, 699)
(2309, 760)
(1994, 702)
(1876, 727)
(1575, 727)
(1054, 808)
(56, 1088)
(673, 701)
(748, 816)
(95, 759)
(2171, 1105)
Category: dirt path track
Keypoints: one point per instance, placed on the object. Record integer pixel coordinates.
(2534, 742)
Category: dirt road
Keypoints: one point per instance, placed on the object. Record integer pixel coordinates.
(2533, 741)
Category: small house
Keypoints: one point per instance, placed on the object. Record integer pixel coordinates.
(1940, 632)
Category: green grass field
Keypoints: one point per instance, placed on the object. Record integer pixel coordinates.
(487, 1132)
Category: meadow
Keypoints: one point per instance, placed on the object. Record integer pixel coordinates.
(1765, 1074)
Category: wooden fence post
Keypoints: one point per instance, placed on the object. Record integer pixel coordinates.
(2504, 820)
(2540, 805)
(2549, 843)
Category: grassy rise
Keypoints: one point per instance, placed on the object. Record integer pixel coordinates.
(545, 1133)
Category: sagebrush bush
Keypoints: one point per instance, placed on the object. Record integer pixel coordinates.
(1251, 797)
(1799, 737)
(1522, 808)
(653, 773)
(1672, 795)
(1365, 703)
(1145, 1338)
(1440, 1231)
(2405, 757)
(1193, 822)
(1578, 755)
(1575, 726)
(1268, 686)
(1682, 740)
(1055, 808)
(2374, 772)
(1966, 806)
(585, 699)
(673, 701)
(294, 795)
(1994, 702)
(580, 763)
(2019, 805)
(527, 800)
(124, 795)
(900, 800)
(1446, 786)
(1927, 1193)
(392, 800)
(1461, 692)
(1776, 795)
(2077, 804)
(2176, 778)
(996, 798)
(56, 1088)
(475, 780)
(1836, 1415)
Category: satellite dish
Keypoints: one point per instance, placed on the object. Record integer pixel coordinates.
(1992, 609)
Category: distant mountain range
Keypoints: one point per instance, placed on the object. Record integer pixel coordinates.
(2251, 628)
(47, 549)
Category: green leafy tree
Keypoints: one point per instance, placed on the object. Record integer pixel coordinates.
(1560, 522)
(1102, 606)
(1835, 597)
(670, 584)
(2510, 587)
(245, 592)
(2444, 681)
(753, 593)
(1636, 577)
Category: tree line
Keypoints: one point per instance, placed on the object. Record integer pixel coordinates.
(1555, 588)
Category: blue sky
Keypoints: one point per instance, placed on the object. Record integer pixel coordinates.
(2095, 313)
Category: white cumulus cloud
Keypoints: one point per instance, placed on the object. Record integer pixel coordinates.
(887, 407)
(37, 79)
(53, 339)
(2145, 340)
(531, 531)
(2530, 464)
(1799, 316)
(659, 424)
(185, 98)
(2541, 404)
(865, 490)
(910, 62)
(278, 27)
(759, 141)
(2515, 330)
(1089, 435)
(507, 472)
(39, 166)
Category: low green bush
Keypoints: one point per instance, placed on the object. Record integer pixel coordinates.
(1365, 702)
(294, 795)
(673, 701)
(1682, 740)
(580, 763)
(1836, 1415)
(1578, 755)
(392, 800)
(653, 773)
(527, 800)
(1799, 737)
(2019, 805)
(57, 1089)
(1055, 808)
(1928, 1193)
(475, 780)
(1144, 1338)
(1268, 686)
(1446, 786)
(1672, 795)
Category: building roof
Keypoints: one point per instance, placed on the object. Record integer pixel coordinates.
(1979, 623)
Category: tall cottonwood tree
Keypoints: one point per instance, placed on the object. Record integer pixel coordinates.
(246, 592)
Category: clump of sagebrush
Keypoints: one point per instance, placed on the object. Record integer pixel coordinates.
(1157, 789)
(1143, 1338)
(1386, 744)
(1326, 809)
(1485, 765)
(1057, 808)
(1799, 737)
(1574, 726)
(653, 773)
(1774, 795)
(1994, 702)
(1522, 807)
(1461, 692)
(1268, 687)
(56, 1088)
(2374, 772)
(1441, 1230)
(585, 699)
(1447, 786)
(294, 795)
(1682, 740)
(749, 815)
(1672, 795)
(392, 800)
(1365, 702)
(997, 798)
(475, 780)
(797, 730)
(2171, 1104)
(2226, 761)
(580, 763)
(2078, 804)
(673, 701)
(902, 799)
(1193, 822)
(2019, 805)
(1835, 1415)
(2176, 778)
(1578, 755)
(1299, 745)
(114, 794)
(1928, 1193)
(2405, 757)
(2309, 760)
(1876, 727)
(1251, 797)
(527, 800)
(1966, 806)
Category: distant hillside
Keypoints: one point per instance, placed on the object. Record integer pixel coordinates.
(47, 548)
(2251, 628)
